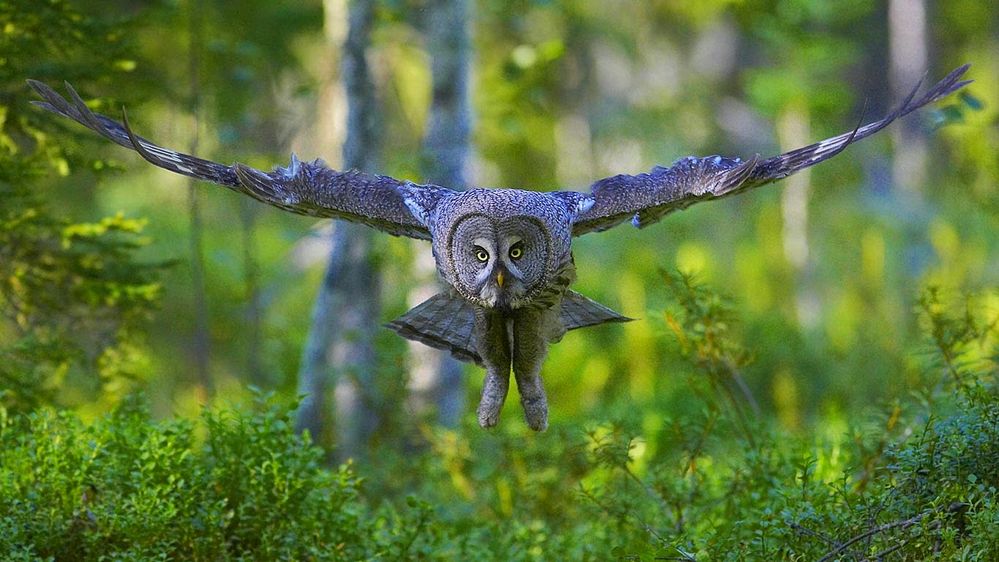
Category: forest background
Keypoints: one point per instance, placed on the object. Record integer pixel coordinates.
(792, 342)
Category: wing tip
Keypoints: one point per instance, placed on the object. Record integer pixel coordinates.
(51, 100)
(44, 105)
(37, 85)
(959, 71)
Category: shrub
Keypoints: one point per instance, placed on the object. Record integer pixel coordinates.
(918, 482)
(127, 488)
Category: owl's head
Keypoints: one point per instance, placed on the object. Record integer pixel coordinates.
(499, 248)
(499, 263)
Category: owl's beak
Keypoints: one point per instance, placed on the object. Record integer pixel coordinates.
(506, 289)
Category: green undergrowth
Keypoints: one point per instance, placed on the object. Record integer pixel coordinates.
(916, 481)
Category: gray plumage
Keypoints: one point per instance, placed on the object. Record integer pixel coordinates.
(506, 254)
(446, 321)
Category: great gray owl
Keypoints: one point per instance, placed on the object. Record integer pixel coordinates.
(506, 254)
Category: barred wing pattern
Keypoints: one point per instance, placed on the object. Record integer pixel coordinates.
(306, 188)
(646, 198)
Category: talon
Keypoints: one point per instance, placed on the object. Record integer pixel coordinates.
(494, 392)
(490, 405)
(536, 413)
(488, 415)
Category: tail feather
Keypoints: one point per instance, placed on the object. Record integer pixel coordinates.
(446, 321)
(581, 312)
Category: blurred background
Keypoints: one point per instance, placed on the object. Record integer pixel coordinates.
(824, 270)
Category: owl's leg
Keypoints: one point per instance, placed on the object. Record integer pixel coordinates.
(530, 345)
(493, 344)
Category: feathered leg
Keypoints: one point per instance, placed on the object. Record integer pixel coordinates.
(532, 331)
(493, 344)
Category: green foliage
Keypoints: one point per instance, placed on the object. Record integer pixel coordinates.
(61, 39)
(703, 332)
(127, 488)
(241, 485)
(916, 483)
(927, 494)
(73, 298)
(73, 295)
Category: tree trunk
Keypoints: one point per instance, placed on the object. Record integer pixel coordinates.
(201, 344)
(347, 307)
(436, 377)
(909, 59)
(793, 131)
(254, 311)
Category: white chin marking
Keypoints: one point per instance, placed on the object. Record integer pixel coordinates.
(489, 295)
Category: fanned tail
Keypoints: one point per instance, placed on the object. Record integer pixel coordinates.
(443, 321)
(446, 321)
(581, 312)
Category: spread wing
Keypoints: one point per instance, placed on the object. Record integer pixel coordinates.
(646, 198)
(306, 188)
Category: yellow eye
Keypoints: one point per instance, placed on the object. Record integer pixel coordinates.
(516, 252)
(481, 254)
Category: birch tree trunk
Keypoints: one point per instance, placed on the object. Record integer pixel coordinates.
(793, 130)
(344, 319)
(909, 60)
(436, 377)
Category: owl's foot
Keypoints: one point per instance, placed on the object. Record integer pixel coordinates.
(533, 398)
(536, 412)
(488, 414)
(493, 396)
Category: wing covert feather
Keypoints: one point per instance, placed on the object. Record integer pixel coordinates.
(646, 198)
(305, 188)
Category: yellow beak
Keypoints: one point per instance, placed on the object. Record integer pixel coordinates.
(499, 279)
